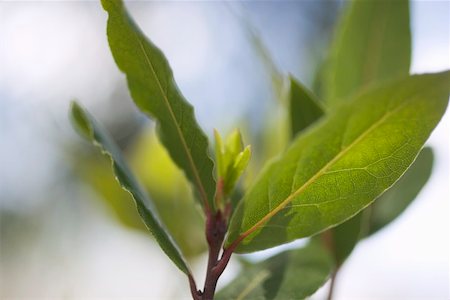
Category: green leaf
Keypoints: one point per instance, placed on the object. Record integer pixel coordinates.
(152, 86)
(338, 167)
(294, 274)
(92, 131)
(343, 238)
(372, 43)
(395, 200)
(305, 109)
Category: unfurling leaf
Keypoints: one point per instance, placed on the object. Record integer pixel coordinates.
(152, 86)
(338, 167)
(294, 274)
(92, 131)
(232, 159)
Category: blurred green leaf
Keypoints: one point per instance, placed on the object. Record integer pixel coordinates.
(93, 132)
(294, 274)
(97, 173)
(372, 43)
(342, 164)
(164, 182)
(152, 86)
(305, 109)
(170, 192)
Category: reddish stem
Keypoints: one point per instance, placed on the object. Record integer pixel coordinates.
(215, 230)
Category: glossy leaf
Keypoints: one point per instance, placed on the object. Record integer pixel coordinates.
(395, 200)
(338, 167)
(152, 86)
(372, 43)
(294, 274)
(305, 109)
(90, 129)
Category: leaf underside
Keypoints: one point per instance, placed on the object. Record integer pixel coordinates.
(342, 164)
(92, 131)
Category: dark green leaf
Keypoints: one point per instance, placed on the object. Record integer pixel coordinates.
(152, 86)
(90, 129)
(305, 109)
(338, 167)
(294, 274)
(372, 43)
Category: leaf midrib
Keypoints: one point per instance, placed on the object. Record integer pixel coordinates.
(315, 176)
(180, 134)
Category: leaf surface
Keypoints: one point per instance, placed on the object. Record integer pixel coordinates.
(338, 167)
(372, 43)
(91, 130)
(152, 86)
(294, 274)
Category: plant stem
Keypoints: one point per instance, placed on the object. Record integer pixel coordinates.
(332, 284)
(215, 230)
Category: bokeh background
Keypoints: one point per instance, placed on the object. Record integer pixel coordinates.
(60, 238)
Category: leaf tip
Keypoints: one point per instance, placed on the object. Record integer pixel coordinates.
(79, 119)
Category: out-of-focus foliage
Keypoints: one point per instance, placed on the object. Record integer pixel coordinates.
(293, 274)
(372, 43)
(164, 182)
